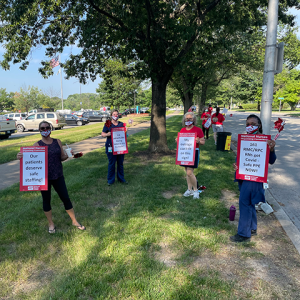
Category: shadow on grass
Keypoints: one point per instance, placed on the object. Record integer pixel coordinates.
(116, 258)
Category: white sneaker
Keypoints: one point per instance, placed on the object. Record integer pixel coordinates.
(188, 193)
(196, 195)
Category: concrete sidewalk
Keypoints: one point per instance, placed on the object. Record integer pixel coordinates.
(284, 190)
(10, 172)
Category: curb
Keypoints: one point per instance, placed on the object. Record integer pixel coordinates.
(284, 220)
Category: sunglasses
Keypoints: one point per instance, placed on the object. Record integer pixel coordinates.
(189, 119)
(45, 128)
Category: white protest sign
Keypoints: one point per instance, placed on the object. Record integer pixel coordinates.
(34, 169)
(186, 144)
(253, 157)
(119, 141)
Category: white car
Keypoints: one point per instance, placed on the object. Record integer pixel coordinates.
(16, 116)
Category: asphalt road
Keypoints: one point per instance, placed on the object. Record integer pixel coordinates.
(26, 133)
(284, 175)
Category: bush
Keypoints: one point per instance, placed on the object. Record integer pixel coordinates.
(250, 106)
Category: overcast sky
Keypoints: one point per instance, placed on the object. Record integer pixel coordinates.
(15, 78)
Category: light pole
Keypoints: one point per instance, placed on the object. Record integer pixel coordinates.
(269, 69)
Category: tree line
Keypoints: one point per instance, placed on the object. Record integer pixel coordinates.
(193, 45)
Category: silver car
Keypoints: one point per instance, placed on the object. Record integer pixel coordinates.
(32, 122)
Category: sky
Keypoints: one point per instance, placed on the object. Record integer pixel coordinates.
(15, 78)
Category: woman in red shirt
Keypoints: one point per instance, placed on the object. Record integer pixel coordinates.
(217, 123)
(204, 117)
(189, 122)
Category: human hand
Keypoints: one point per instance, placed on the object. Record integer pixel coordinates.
(176, 140)
(271, 144)
(197, 140)
(108, 133)
(19, 155)
(235, 167)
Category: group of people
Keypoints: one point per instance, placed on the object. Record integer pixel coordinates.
(251, 192)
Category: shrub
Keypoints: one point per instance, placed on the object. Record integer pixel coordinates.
(250, 106)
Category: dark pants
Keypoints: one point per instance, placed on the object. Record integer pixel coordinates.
(61, 189)
(250, 194)
(112, 160)
(205, 131)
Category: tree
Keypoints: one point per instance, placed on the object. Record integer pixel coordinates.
(118, 85)
(155, 34)
(6, 100)
(287, 86)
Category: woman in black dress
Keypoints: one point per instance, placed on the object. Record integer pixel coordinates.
(56, 179)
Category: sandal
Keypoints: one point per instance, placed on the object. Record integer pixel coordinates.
(80, 227)
(51, 231)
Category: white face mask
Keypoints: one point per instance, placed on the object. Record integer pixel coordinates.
(188, 123)
(46, 133)
(115, 118)
(251, 129)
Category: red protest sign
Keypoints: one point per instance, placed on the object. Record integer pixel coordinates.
(186, 145)
(119, 140)
(34, 169)
(253, 157)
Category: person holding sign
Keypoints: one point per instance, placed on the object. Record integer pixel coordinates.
(217, 123)
(251, 192)
(205, 118)
(113, 159)
(189, 121)
(56, 179)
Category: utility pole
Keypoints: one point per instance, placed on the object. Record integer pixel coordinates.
(269, 68)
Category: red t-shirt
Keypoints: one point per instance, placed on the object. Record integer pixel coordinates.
(205, 115)
(220, 117)
(210, 109)
(195, 129)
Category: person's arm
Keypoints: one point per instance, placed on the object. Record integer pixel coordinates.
(201, 141)
(105, 132)
(272, 157)
(63, 155)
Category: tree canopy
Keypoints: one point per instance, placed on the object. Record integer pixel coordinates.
(155, 34)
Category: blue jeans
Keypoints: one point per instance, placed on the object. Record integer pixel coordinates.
(112, 159)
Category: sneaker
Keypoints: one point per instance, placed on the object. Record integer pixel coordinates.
(239, 239)
(188, 193)
(253, 232)
(196, 195)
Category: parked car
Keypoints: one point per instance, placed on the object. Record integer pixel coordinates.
(74, 120)
(92, 116)
(104, 114)
(7, 127)
(32, 122)
(144, 110)
(16, 116)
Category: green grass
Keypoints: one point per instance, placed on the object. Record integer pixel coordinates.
(129, 229)
(10, 148)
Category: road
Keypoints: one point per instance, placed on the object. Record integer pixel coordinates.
(284, 175)
(26, 133)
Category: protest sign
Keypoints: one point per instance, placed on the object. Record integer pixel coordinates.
(34, 169)
(186, 145)
(253, 157)
(119, 140)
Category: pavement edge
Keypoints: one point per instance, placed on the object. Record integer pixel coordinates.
(284, 220)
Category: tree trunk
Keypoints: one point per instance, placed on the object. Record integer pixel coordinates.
(158, 134)
(258, 105)
(203, 98)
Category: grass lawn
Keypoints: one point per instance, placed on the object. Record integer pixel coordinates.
(143, 240)
(9, 148)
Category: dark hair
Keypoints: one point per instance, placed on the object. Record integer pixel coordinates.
(113, 112)
(260, 129)
(44, 122)
(217, 111)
